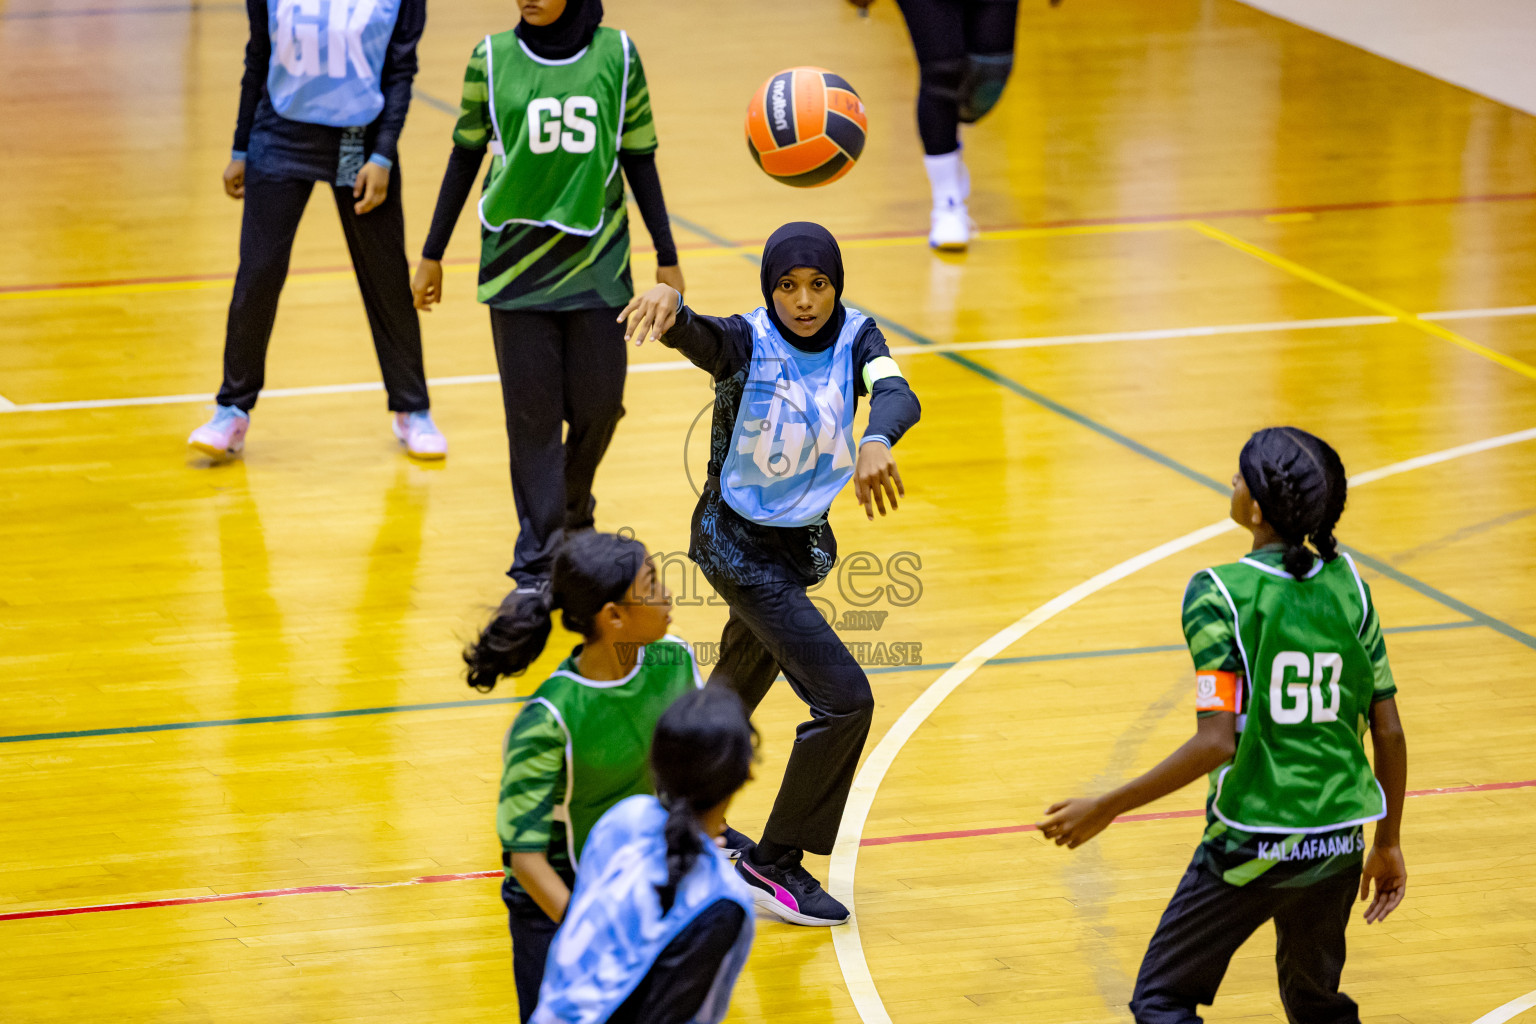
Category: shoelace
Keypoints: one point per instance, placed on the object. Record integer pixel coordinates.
(793, 871)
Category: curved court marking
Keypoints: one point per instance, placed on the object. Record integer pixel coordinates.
(845, 853)
(1513, 1008)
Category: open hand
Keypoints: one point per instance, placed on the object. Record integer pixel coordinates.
(234, 179)
(876, 479)
(652, 314)
(1385, 865)
(371, 187)
(1073, 822)
(427, 285)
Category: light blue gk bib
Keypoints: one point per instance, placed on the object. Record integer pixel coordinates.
(792, 450)
(327, 56)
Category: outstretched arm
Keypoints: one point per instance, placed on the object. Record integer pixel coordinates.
(1073, 822)
(719, 345)
(1385, 861)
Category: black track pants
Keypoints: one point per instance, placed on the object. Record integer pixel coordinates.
(376, 241)
(556, 369)
(1207, 920)
(774, 626)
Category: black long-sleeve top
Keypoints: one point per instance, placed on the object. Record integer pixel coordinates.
(294, 149)
(723, 543)
(464, 166)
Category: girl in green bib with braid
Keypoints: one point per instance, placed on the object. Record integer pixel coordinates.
(1291, 672)
(561, 105)
(581, 743)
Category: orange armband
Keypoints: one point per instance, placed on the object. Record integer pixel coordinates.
(1218, 691)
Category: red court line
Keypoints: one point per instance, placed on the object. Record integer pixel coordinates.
(928, 837)
(115, 282)
(260, 894)
(1080, 222)
(916, 837)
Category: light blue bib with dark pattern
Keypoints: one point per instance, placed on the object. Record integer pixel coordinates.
(327, 56)
(792, 450)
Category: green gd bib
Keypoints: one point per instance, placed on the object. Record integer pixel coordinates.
(1300, 764)
(557, 126)
(608, 728)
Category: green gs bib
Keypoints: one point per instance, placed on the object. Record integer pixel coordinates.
(1300, 764)
(557, 126)
(608, 728)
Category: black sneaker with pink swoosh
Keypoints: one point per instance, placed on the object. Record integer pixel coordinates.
(787, 891)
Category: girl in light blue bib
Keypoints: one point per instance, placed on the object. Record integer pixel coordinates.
(326, 89)
(788, 377)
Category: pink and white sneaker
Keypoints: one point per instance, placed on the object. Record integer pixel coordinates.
(420, 435)
(788, 892)
(223, 436)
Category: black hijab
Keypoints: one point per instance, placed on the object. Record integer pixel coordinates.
(568, 34)
(803, 244)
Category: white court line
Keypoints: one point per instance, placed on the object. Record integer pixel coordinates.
(1480, 314)
(1443, 456)
(1513, 1008)
(845, 852)
(1161, 334)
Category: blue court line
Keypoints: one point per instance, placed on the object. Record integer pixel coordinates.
(440, 105)
(112, 12)
(1122, 652)
(999, 379)
(394, 709)
(1379, 565)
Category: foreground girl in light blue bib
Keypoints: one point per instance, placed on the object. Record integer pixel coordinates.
(659, 926)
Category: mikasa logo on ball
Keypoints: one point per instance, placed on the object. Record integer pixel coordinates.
(780, 105)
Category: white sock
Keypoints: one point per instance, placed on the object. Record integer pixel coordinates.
(950, 181)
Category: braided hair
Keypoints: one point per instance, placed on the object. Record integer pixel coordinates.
(1299, 482)
(701, 753)
(590, 570)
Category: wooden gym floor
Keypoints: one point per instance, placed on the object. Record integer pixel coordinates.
(1200, 220)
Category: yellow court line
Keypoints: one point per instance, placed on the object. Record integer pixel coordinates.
(1370, 302)
(1015, 234)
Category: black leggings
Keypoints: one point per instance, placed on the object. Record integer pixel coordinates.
(775, 626)
(944, 33)
(556, 368)
(1208, 919)
(376, 241)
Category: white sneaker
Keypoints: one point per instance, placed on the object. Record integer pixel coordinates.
(950, 228)
(420, 435)
(223, 436)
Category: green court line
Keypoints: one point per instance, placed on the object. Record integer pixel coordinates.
(395, 709)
